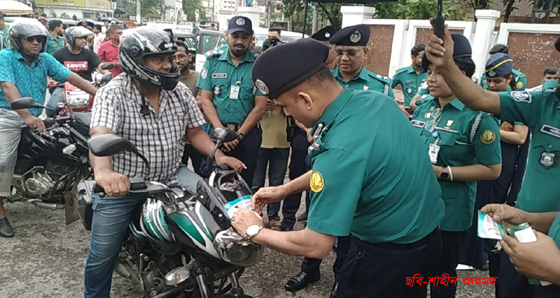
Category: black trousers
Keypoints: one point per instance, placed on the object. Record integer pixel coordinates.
(451, 243)
(521, 165)
(194, 155)
(310, 265)
(247, 151)
(297, 168)
(380, 270)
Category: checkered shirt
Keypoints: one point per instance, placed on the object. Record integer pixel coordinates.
(158, 137)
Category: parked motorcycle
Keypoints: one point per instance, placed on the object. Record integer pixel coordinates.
(77, 100)
(181, 244)
(52, 163)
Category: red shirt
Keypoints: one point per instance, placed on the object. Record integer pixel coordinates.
(108, 52)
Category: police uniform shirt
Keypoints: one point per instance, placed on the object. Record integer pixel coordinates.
(232, 85)
(451, 128)
(366, 201)
(410, 82)
(366, 80)
(540, 111)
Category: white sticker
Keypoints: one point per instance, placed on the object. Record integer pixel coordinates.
(433, 151)
(234, 92)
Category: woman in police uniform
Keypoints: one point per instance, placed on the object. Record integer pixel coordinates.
(464, 147)
(499, 78)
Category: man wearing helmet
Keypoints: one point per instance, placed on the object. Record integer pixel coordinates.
(76, 57)
(24, 73)
(147, 106)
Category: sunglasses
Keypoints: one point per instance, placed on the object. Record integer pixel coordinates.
(39, 39)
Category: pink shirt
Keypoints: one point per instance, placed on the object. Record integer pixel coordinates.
(108, 52)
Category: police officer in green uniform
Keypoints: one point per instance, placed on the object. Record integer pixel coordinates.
(350, 47)
(540, 111)
(520, 80)
(464, 147)
(411, 77)
(228, 94)
(360, 182)
(499, 73)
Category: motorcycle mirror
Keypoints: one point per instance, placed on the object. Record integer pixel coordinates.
(109, 144)
(106, 79)
(224, 135)
(107, 66)
(25, 103)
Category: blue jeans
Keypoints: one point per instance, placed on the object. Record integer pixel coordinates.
(277, 161)
(109, 228)
(56, 97)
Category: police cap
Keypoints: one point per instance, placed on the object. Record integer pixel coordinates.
(357, 35)
(240, 24)
(461, 49)
(292, 62)
(324, 34)
(499, 65)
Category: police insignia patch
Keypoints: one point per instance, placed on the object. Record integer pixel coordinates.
(316, 182)
(261, 86)
(548, 159)
(519, 85)
(204, 73)
(409, 90)
(355, 37)
(491, 73)
(240, 22)
(327, 35)
(521, 96)
(488, 137)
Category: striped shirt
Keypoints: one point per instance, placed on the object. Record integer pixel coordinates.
(158, 137)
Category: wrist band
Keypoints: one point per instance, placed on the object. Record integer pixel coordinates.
(450, 173)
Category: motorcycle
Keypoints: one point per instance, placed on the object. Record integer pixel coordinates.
(77, 100)
(51, 164)
(181, 244)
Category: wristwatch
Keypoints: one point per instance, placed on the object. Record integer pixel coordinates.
(252, 231)
(240, 136)
(444, 174)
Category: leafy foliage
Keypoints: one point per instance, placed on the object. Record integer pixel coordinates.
(190, 7)
(419, 9)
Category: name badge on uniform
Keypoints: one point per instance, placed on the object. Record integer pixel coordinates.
(234, 92)
(433, 151)
(417, 123)
(219, 75)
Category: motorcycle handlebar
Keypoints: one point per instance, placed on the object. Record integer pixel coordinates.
(51, 121)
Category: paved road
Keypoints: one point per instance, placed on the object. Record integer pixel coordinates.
(46, 259)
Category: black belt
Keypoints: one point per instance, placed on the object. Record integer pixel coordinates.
(410, 246)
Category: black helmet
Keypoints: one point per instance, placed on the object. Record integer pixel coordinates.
(140, 43)
(24, 29)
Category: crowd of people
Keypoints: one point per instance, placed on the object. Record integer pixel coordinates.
(399, 196)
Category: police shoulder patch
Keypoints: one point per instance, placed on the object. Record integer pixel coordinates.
(523, 96)
(316, 181)
(519, 85)
(204, 73)
(488, 137)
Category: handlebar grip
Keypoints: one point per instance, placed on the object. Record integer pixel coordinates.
(439, 24)
(49, 122)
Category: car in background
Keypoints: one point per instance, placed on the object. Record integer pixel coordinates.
(261, 34)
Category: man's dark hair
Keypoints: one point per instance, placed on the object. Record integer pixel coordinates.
(550, 70)
(320, 78)
(275, 30)
(98, 26)
(113, 28)
(182, 44)
(417, 49)
(499, 48)
(53, 24)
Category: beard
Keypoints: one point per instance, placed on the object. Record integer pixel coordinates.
(238, 52)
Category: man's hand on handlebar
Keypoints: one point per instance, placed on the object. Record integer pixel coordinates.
(232, 162)
(35, 123)
(113, 184)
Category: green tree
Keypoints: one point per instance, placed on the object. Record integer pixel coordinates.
(64, 16)
(150, 9)
(190, 7)
(331, 11)
(419, 9)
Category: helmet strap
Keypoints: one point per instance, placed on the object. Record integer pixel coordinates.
(145, 111)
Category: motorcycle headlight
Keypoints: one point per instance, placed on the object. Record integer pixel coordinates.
(237, 250)
(77, 100)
